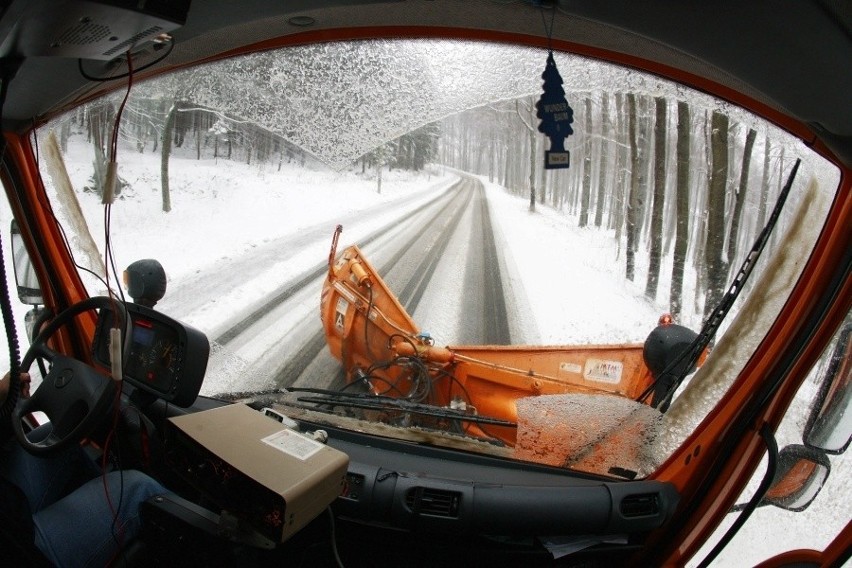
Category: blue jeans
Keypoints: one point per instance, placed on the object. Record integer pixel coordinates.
(79, 528)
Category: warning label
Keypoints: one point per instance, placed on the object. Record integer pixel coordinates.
(603, 371)
(340, 313)
(293, 443)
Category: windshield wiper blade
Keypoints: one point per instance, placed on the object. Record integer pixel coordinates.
(678, 369)
(377, 402)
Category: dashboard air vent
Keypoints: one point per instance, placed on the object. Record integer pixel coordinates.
(641, 505)
(434, 502)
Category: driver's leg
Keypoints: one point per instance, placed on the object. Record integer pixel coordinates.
(44, 479)
(87, 529)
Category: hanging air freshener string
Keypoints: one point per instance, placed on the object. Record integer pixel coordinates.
(549, 30)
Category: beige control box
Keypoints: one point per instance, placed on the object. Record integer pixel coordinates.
(249, 464)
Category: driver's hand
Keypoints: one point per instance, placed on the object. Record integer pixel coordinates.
(4, 386)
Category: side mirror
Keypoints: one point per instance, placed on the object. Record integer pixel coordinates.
(829, 426)
(801, 473)
(29, 288)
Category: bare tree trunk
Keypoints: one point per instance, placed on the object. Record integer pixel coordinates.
(644, 133)
(164, 157)
(491, 158)
(764, 185)
(197, 137)
(740, 198)
(682, 202)
(603, 160)
(100, 118)
(620, 167)
(702, 207)
(656, 252)
(717, 267)
(504, 166)
(633, 197)
(586, 195)
(64, 135)
(532, 168)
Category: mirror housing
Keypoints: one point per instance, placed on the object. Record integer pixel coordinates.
(145, 281)
(29, 288)
(801, 473)
(829, 426)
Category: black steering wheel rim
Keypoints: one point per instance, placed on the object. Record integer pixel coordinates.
(74, 396)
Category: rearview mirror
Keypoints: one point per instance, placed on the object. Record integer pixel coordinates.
(801, 473)
(29, 288)
(829, 426)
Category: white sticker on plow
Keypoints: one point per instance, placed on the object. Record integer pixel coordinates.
(293, 443)
(603, 371)
(570, 368)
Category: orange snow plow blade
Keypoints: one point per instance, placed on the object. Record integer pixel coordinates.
(380, 346)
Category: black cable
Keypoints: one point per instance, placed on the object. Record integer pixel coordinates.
(405, 338)
(129, 73)
(386, 365)
(765, 484)
(452, 379)
(9, 69)
(47, 314)
(391, 386)
(14, 349)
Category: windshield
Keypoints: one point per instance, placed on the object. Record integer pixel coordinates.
(236, 175)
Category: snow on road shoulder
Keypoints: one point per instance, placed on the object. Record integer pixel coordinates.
(208, 198)
(574, 285)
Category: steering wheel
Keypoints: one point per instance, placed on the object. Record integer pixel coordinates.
(74, 396)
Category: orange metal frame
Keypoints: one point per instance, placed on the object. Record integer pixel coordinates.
(706, 497)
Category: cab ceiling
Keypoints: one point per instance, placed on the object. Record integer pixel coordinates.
(793, 56)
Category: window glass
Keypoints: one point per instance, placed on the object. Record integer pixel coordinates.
(428, 154)
(815, 526)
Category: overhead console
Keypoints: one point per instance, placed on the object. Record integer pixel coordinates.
(166, 358)
(86, 29)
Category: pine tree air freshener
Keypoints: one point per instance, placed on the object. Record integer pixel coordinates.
(556, 117)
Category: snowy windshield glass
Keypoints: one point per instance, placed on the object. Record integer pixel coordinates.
(474, 299)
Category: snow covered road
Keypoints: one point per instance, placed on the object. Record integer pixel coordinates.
(427, 249)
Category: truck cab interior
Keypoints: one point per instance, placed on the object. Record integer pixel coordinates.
(582, 273)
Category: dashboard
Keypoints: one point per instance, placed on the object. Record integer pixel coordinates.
(165, 357)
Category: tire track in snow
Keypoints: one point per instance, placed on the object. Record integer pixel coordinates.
(295, 285)
(410, 268)
(193, 294)
(487, 310)
(482, 272)
(293, 370)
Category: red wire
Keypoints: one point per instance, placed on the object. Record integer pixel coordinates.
(113, 150)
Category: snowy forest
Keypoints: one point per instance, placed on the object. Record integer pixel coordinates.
(681, 186)
(665, 178)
